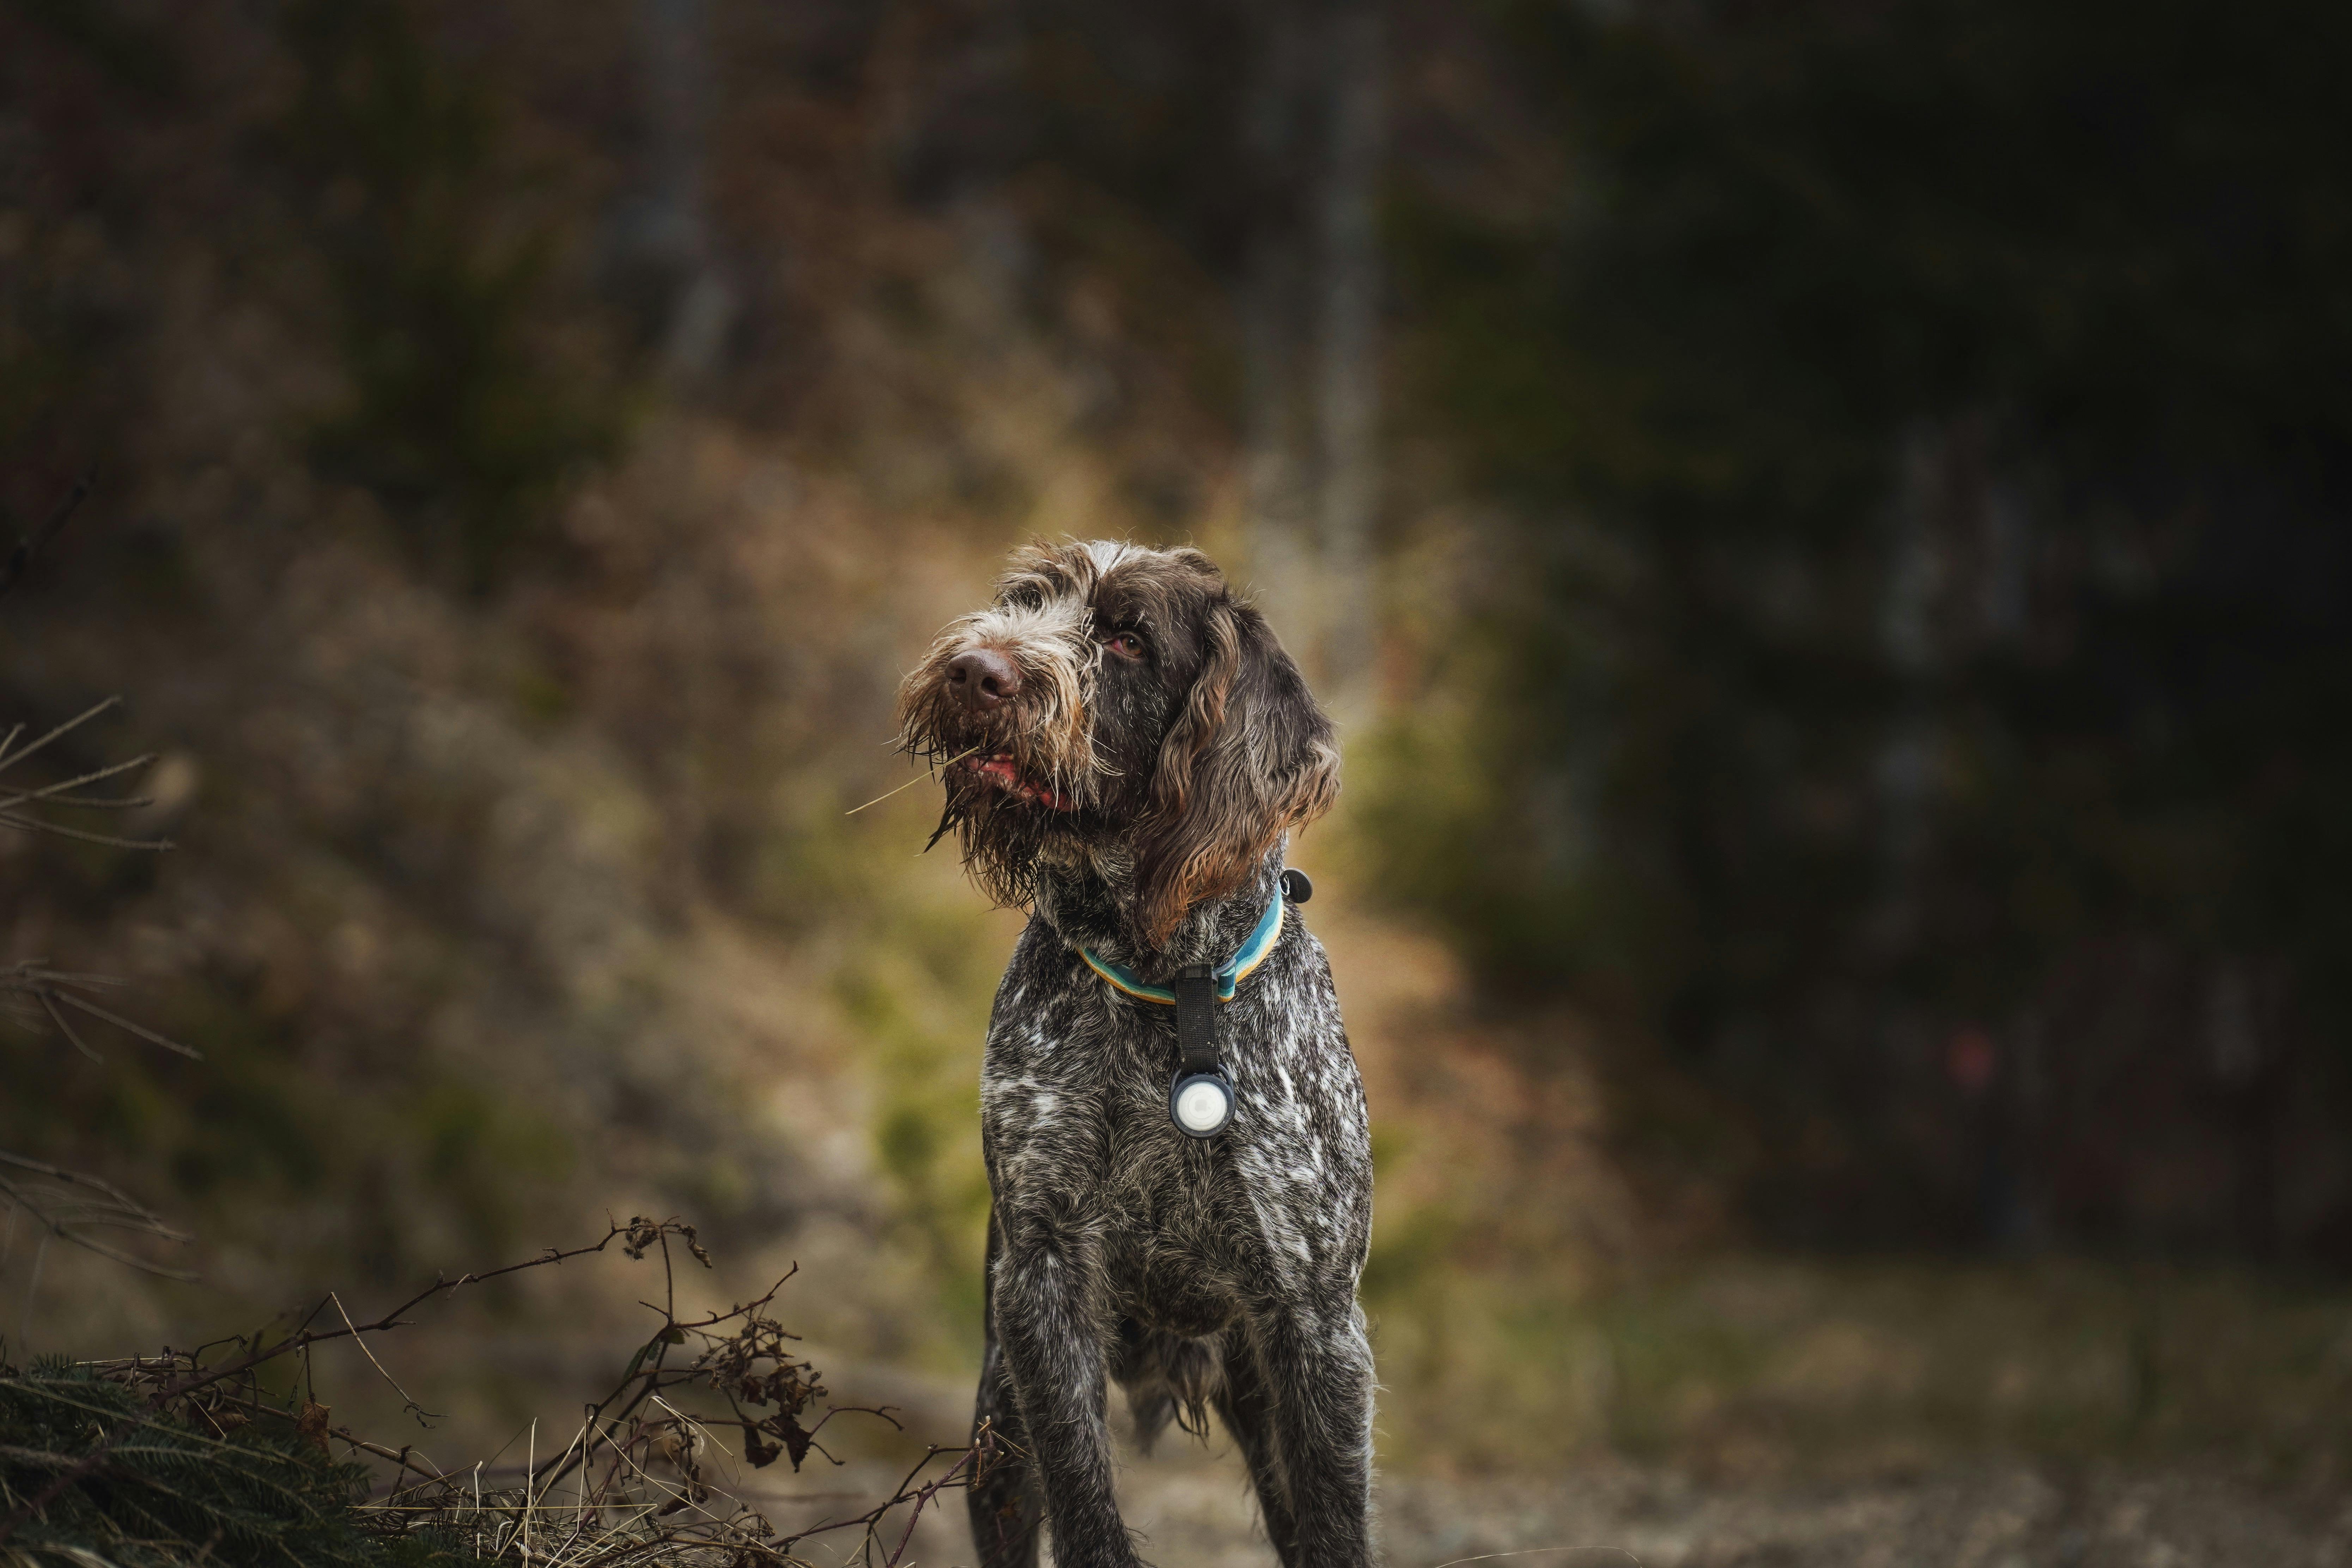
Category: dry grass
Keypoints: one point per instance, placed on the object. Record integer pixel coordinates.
(639, 1482)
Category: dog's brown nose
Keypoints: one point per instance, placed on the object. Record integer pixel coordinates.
(982, 677)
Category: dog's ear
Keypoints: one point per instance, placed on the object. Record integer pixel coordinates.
(1249, 756)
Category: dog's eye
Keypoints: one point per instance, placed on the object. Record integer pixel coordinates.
(1127, 644)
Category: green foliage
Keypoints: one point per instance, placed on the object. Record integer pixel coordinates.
(918, 996)
(1838, 1366)
(463, 410)
(148, 1491)
(435, 1160)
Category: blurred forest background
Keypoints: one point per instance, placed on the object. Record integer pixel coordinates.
(1824, 524)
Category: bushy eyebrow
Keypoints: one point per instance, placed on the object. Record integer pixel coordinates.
(1122, 616)
(1153, 591)
(1123, 586)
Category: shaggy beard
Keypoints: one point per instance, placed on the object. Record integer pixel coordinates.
(1045, 735)
(1003, 838)
(1002, 834)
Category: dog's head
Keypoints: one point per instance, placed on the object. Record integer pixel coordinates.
(1119, 704)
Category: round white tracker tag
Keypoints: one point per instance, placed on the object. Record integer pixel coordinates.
(1202, 1105)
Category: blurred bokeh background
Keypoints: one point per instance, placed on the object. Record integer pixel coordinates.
(1824, 524)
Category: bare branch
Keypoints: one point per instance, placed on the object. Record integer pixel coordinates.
(120, 1022)
(33, 543)
(10, 759)
(35, 824)
(75, 1202)
(422, 1414)
(50, 1005)
(49, 791)
(55, 988)
(305, 1337)
(59, 794)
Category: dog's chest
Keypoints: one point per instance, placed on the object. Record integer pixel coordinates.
(1075, 1117)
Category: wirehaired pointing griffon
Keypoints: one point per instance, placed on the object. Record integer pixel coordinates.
(1175, 1132)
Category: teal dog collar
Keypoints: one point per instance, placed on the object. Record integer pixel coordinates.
(1228, 975)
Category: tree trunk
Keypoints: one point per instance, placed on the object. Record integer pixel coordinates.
(1348, 380)
(1277, 468)
(678, 88)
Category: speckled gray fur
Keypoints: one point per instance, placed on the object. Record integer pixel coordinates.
(1131, 775)
(1220, 1272)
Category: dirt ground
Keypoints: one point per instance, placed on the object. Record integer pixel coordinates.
(1191, 1508)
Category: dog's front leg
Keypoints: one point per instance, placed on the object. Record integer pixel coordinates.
(1320, 1366)
(1004, 1502)
(1044, 1289)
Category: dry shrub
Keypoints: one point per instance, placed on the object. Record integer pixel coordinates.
(194, 1455)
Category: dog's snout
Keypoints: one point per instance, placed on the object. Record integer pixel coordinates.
(982, 677)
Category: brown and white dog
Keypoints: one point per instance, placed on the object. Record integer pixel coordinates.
(1127, 748)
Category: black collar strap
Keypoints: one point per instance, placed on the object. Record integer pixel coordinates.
(1200, 1101)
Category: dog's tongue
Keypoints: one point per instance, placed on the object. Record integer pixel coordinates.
(1001, 770)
